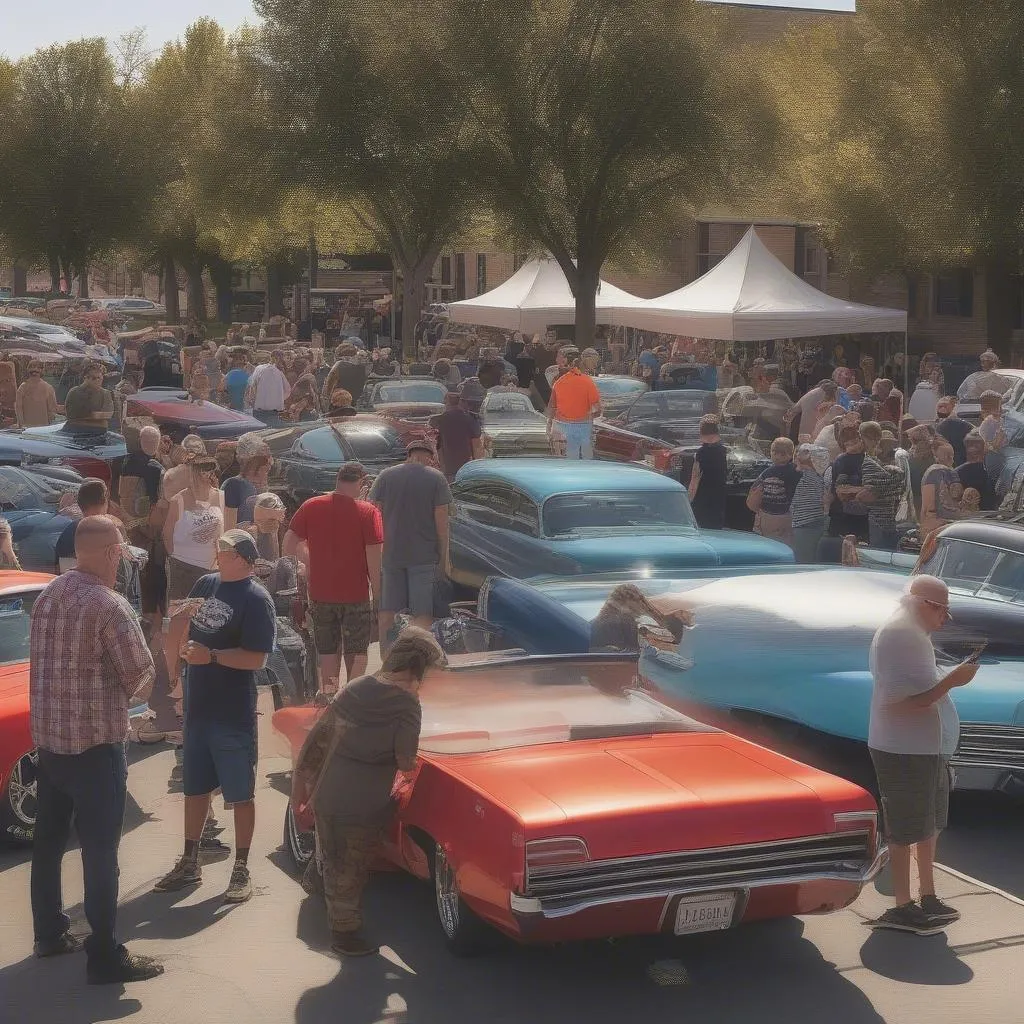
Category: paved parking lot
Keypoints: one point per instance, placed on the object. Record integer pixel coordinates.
(268, 960)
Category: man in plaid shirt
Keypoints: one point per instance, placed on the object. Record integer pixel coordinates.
(88, 664)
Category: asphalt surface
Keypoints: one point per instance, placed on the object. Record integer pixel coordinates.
(268, 960)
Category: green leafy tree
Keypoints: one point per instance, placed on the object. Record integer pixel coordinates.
(75, 175)
(593, 121)
(354, 109)
(907, 121)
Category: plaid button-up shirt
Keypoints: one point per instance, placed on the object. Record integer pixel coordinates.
(88, 663)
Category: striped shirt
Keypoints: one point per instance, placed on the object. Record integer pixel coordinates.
(88, 663)
(807, 507)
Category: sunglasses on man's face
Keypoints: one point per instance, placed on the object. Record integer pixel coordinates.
(938, 604)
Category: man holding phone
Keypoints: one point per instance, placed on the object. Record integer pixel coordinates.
(912, 735)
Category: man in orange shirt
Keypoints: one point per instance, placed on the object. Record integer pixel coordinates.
(574, 402)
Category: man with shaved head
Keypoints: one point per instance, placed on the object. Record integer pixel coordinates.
(88, 664)
(913, 732)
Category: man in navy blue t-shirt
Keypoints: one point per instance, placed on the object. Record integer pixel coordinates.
(232, 632)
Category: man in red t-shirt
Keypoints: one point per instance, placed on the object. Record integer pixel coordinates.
(338, 538)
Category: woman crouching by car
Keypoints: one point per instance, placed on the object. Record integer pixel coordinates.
(345, 773)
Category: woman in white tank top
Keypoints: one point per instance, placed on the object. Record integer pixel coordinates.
(194, 523)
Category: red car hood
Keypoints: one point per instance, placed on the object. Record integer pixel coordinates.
(636, 796)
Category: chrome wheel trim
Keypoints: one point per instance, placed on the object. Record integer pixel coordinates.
(302, 844)
(23, 788)
(446, 890)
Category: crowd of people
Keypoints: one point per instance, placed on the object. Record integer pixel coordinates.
(367, 558)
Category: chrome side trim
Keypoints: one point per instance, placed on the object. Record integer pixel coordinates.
(549, 910)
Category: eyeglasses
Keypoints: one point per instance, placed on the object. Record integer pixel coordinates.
(938, 604)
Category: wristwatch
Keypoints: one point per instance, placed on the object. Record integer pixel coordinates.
(213, 658)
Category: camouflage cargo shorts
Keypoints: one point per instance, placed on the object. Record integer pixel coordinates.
(341, 628)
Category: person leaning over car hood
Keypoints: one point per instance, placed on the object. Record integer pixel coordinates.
(345, 773)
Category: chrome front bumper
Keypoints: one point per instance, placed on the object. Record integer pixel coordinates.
(553, 909)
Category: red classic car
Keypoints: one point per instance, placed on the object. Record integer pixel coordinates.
(555, 801)
(18, 591)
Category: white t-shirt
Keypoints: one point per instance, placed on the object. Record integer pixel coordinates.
(270, 387)
(808, 406)
(902, 662)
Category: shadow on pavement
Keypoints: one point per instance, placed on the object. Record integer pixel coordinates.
(768, 973)
(913, 959)
(67, 999)
(984, 839)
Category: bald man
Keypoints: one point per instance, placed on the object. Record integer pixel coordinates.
(912, 735)
(89, 664)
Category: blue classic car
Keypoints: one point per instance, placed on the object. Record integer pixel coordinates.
(788, 648)
(535, 517)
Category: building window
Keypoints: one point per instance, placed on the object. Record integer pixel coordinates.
(954, 293)
(706, 256)
(460, 275)
(446, 270)
(481, 273)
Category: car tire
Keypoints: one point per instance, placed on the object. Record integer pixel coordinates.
(464, 933)
(300, 845)
(18, 803)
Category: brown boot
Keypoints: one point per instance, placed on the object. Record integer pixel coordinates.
(352, 944)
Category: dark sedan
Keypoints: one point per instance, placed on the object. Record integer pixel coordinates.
(618, 393)
(176, 414)
(309, 464)
(29, 502)
(91, 452)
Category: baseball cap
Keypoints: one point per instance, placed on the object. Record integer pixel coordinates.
(352, 472)
(241, 543)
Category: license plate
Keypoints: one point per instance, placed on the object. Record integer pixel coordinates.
(711, 912)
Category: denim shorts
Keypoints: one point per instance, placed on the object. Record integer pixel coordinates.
(410, 589)
(219, 755)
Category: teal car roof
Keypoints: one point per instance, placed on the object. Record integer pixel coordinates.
(540, 478)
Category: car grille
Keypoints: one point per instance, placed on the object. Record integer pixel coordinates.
(513, 447)
(726, 867)
(991, 746)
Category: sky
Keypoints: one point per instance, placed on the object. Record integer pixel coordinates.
(72, 19)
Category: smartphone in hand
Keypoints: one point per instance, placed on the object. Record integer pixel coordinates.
(975, 655)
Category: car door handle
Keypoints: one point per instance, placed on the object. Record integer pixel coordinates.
(668, 659)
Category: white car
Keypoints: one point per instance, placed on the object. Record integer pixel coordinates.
(139, 307)
(53, 333)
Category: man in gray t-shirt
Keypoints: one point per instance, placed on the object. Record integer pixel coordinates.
(912, 734)
(413, 499)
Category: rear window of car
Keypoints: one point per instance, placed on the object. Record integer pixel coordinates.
(373, 444)
(501, 707)
(321, 444)
(613, 386)
(15, 621)
(655, 511)
(425, 392)
(507, 402)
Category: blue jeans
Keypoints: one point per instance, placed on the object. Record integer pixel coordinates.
(805, 542)
(578, 442)
(90, 788)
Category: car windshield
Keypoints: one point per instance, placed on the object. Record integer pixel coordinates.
(15, 620)
(653, 511)
(984, 380)
(612, 387)
(508, 403)
(668, 405)
(21, 491)
(979, 570)
(321, 444)
(410, 392)
(519, 704)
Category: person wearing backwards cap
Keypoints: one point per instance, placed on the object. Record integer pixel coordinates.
(913, 732)
(230, 636)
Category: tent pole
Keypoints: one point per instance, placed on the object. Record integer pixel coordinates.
(906, 369)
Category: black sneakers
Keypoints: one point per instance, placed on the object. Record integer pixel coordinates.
(66, 943)
(935, 908)
(185, 873)
(120, 967)
(909, 918)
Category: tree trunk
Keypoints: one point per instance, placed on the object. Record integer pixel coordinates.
(170, 276)
(587, 280)
(275, 290)
(1000, 297)
(20, 279)
(54, 273)
(83, 283)
(414, 280)
(195, 292)
(65, 276)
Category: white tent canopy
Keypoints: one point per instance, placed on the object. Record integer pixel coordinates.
(535, 296)
(751, 296)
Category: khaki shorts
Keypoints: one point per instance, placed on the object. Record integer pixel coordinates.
(915, 795)
(341, 628)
